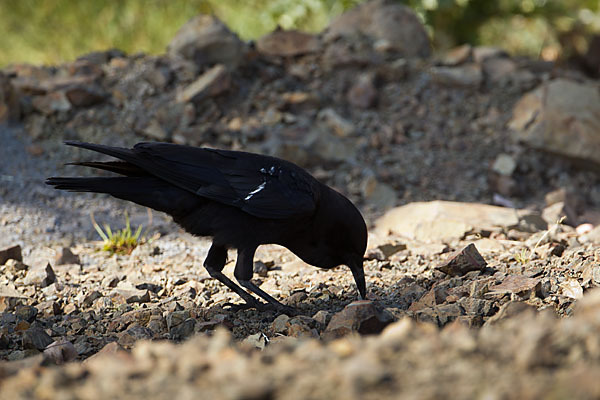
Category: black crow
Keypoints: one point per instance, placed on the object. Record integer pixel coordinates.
(241, 199)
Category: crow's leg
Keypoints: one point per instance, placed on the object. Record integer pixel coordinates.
(244, 268)
(214, 263)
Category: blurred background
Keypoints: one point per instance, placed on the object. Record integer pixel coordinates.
(53, 31)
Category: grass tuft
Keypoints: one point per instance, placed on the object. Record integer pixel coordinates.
(122, 241)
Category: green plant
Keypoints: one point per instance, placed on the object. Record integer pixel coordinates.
(122, 241)
(524, 256)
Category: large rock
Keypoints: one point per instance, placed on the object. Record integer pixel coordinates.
(445, 221)
(387, 21)
(205, 40)
(561, 117)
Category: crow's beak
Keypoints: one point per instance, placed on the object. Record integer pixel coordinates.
(359, 277)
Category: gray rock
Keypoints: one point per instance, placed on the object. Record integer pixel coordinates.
(387, 21)
(205, 40)
(39, 275)
(561, 117)
(26, 313)
(36, 338)
(465, 75)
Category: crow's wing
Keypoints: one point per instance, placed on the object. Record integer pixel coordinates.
(262, 186)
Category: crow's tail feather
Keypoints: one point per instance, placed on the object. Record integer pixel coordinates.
(147, 191)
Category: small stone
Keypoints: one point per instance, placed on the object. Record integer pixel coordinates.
(457, 55)
(363, 93)
(15, 266)
(300, 327)
(496, 69)
(280, 324)
(36, 338)
(133, 334)
(211, 83)
(340, 126)
(129, 295)
(462, 261)
(70, 309)
(466, 75)
(89, 299)
(360, 316)
(260, 268)
(85, 96)
(322, 317)
(9, 253)
(51, 102)
(560, 212)
(40, 276)
(183, 330)
(504, 164)
(60, 352)
(571, 288)
(26, 313)
(516, 284)
(66, 256)
(110, 349)
(295, 299)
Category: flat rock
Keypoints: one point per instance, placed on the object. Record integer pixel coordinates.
(464, 75)
(561, 117)
(287, 43)
(443, 220)
(515, 284)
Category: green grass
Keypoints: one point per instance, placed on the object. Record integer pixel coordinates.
(54, 31)
(122, 241)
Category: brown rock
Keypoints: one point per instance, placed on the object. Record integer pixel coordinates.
(462, 261)
(560, 212)
(516, 284)
(60, 352)
(10, 108)
(457, 55)
(10, 253)
(51, 102)
(212, 83)
(363, 93)
(360, 316)
(287, 43)
(465, 75)
(85, 96)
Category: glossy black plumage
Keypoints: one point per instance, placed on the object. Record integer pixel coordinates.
(241, 199)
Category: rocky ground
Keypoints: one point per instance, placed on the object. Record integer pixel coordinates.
(476, 172)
